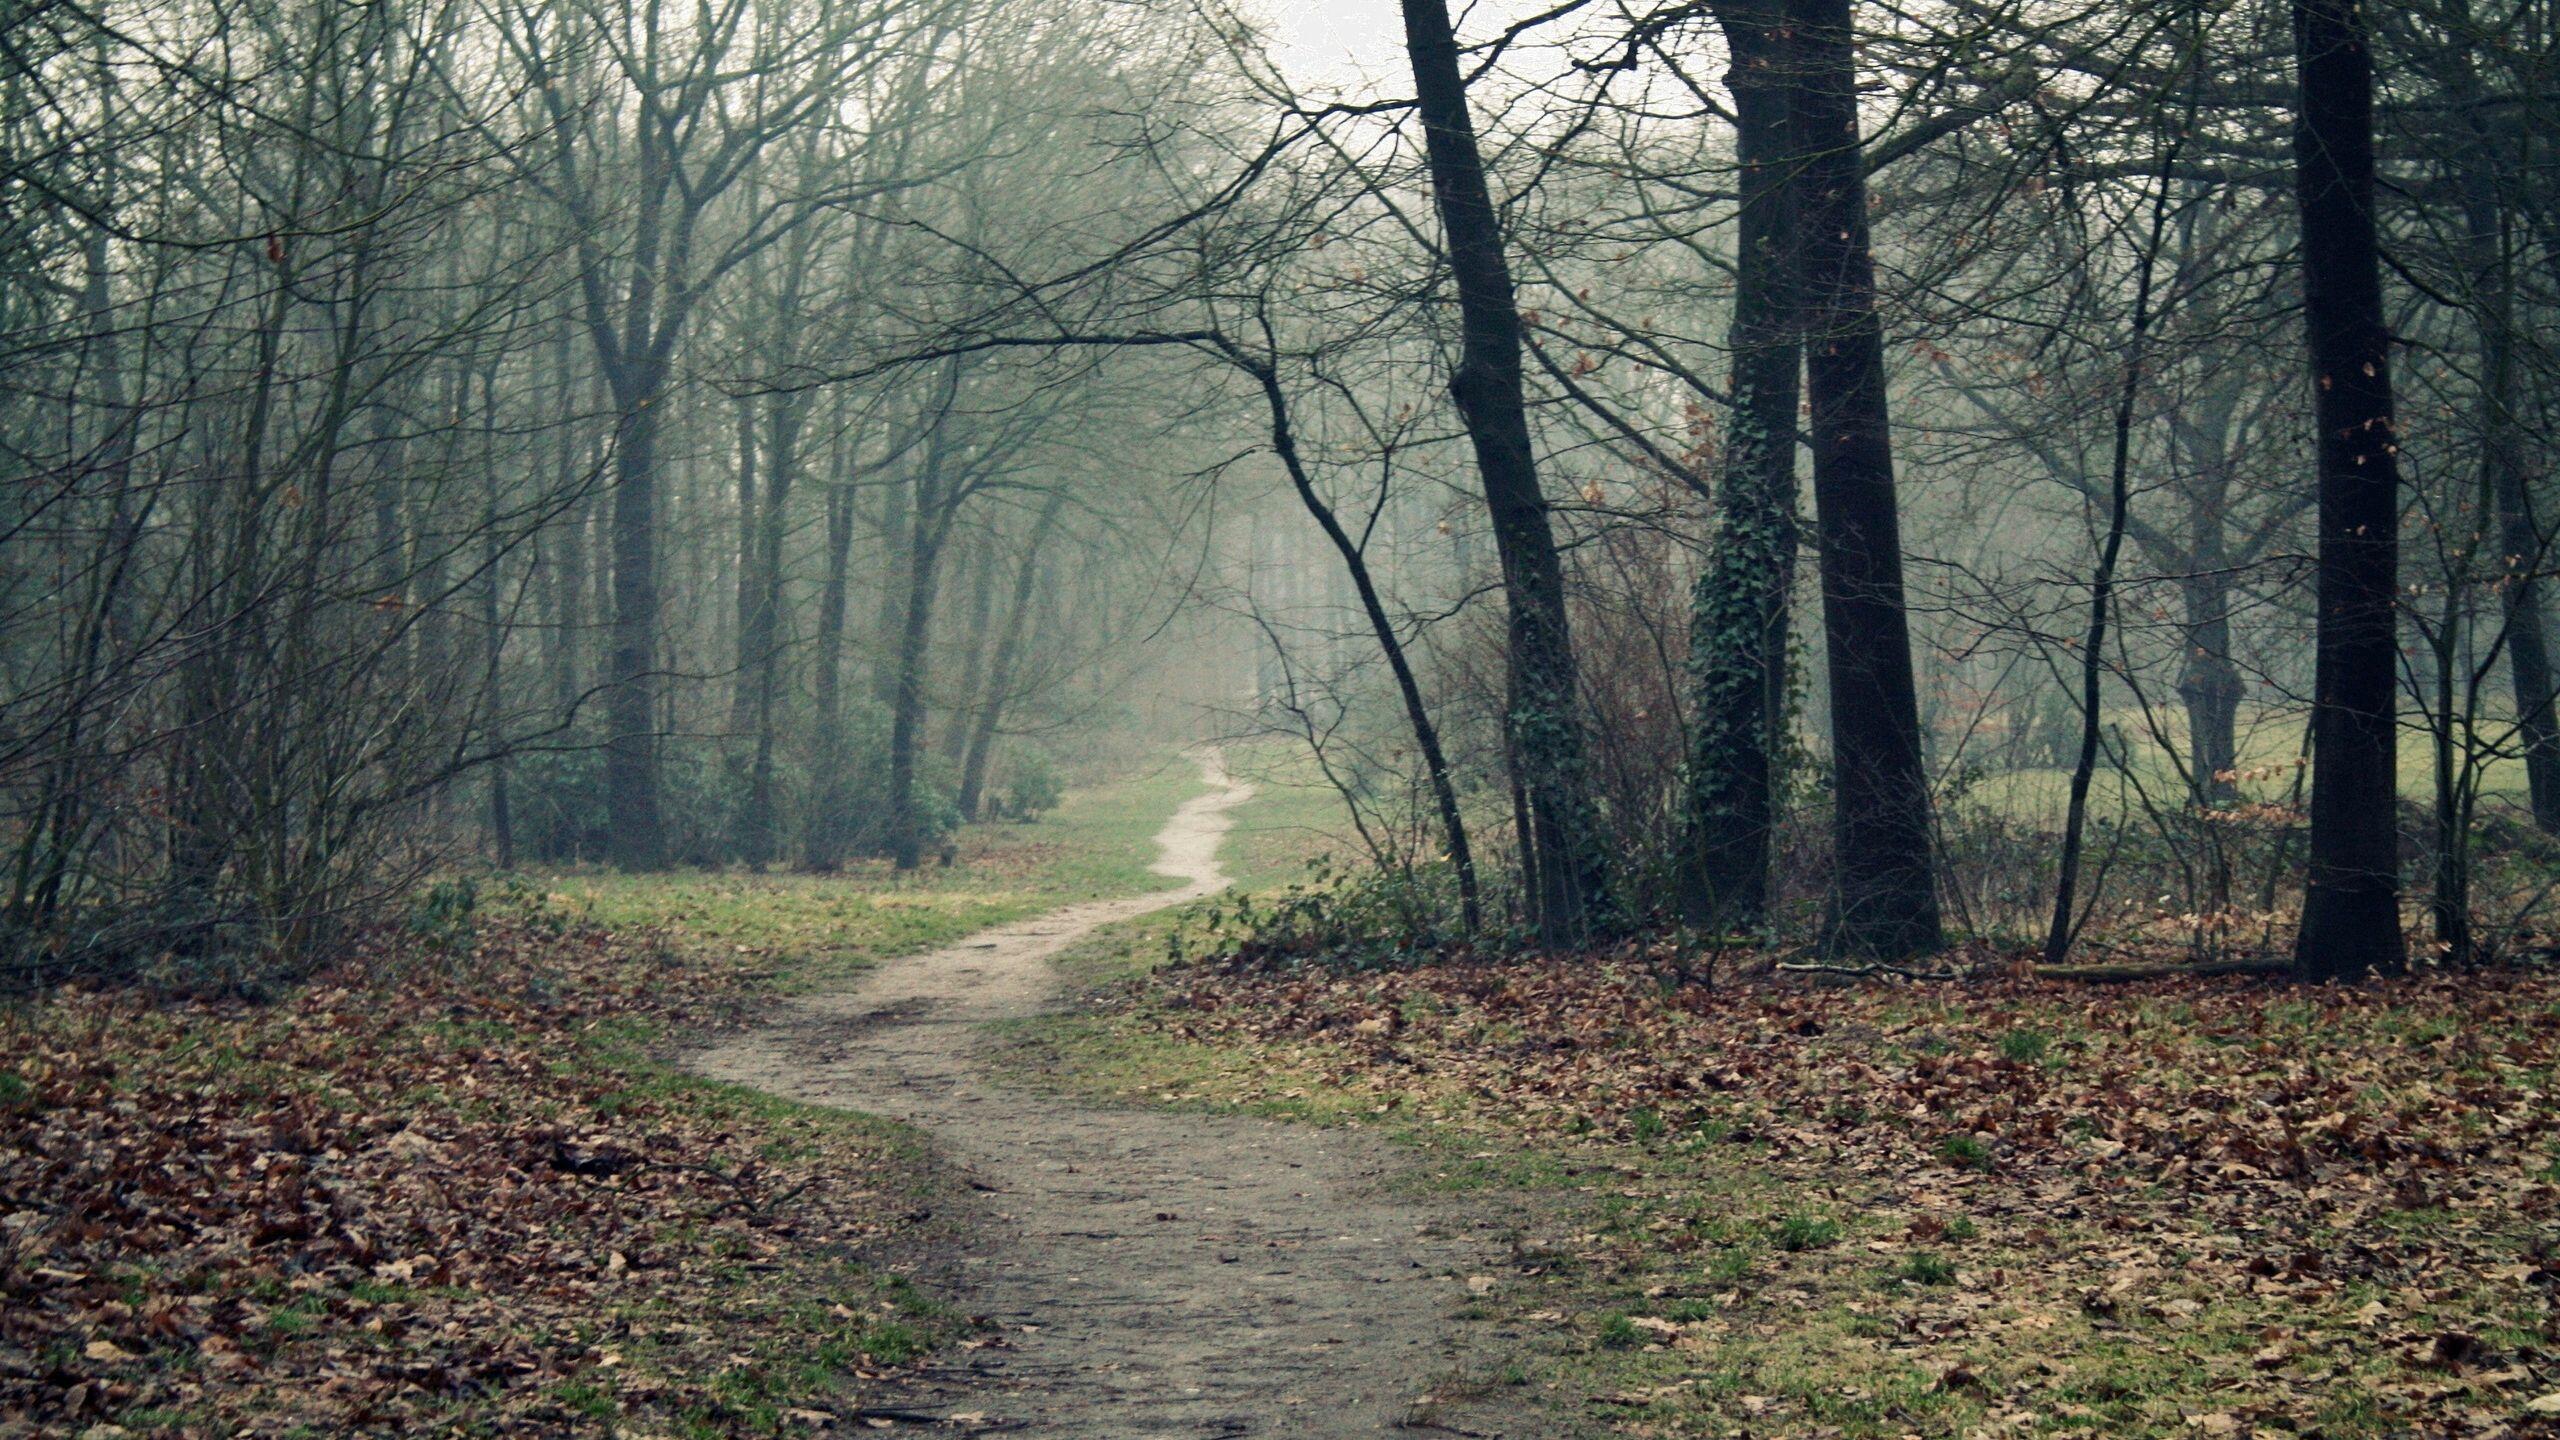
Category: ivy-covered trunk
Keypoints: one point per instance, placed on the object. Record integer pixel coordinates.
(1738, 610)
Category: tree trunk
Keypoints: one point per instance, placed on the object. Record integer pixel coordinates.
(822, 846)
(966, 700)
(2065, 926)
(631, 711)
(990, 714)
(907, 713)
(2521, 544)
(743, 661)
(2351, 913)
(898, 522)
(760, 644)
(2209, 684)
(1886, 906)
(1738, 607)
(1571, 898)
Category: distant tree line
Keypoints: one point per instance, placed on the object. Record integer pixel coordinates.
(2039, 471)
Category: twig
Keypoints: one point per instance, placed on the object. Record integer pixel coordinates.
(1867, 972)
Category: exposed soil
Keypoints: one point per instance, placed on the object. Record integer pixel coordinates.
(1145, 1273)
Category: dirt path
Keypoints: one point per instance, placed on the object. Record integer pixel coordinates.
(1153, 1274)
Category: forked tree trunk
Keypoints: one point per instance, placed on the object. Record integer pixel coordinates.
(2351, 912)
(1886, 904)
(631, 710)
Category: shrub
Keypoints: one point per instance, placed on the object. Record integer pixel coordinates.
(1032, 787)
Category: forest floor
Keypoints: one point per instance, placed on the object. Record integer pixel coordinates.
(457, 1184)
(453, 1183)
(1776, 1209)
(445, 1187)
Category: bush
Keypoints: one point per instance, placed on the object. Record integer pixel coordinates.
(1357, 918)
(1032, 787)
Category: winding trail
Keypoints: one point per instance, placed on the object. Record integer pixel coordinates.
(1150, 1273)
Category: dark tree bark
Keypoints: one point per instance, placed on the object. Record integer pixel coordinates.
(935, 507)
(1738, 609)
(1886, 905)
(2482, 162)
(743, 666)
(1571, 898)
(897, 534)
(2351, 913)
(2209, 684)
(494, 626)
(2065, 926)
(760, 641)
(631, 708)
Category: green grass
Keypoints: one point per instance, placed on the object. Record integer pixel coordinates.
(815, 930)
(1293, 817)
(1807, 1232)
(2270, 741)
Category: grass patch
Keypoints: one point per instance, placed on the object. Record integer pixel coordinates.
(816, 931)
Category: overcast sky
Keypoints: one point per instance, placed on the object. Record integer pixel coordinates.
(1338, 45)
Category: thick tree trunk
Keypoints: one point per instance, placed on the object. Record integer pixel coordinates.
(1738, 608)
(2351, 913)
(631, 710)
(2209, 684)
(1571, 896)
(1886, 905)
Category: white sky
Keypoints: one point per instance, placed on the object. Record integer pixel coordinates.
(1347, 47)
(1339, 46)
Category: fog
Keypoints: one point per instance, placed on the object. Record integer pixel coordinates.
(532, 434)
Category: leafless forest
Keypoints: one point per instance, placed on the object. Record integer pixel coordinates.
(1943, 605)
(2046, 473)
